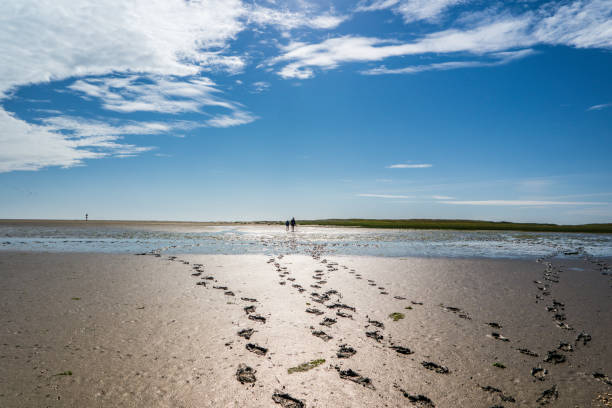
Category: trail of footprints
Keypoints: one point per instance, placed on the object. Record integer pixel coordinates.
(332, 301)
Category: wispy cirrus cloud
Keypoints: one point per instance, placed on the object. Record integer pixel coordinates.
(442, 197)
(599, 107)
(409, 166)
(525, 203)
(62, 142)
(411, 10)
(493, 59)
(393, 196)
(580, 24)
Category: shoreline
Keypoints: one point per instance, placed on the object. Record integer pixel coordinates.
(141, 330)
(376, 224)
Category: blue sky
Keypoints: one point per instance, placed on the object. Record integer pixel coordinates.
(236, 110)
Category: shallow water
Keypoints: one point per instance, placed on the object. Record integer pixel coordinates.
(249, 239)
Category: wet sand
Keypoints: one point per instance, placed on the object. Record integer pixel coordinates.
(109, 330)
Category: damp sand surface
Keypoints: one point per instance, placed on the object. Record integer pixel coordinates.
(107, 330)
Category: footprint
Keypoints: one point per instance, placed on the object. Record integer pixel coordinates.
(341, 314)
(528, 352)
(402, 350)
(355, 377)
(246, 333)
(248, 299)
(314, 311)
(249, 309)
(229, 293)
(498, 336)
(554, 357)
(376, 323)
(328, 322)
(493, 390)
(254, 348)
(245, 374)
(286, 400)
(375, 335)
(341, 306)
(548, 396)
(322, 335)
(539, 373)
(419, 400)
(435, 367)
(603, 378)
(257, 318)
(584, 337)
(345, 351)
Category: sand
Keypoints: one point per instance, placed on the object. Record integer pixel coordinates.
(105, 330)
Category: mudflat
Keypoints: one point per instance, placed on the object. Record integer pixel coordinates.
(106, 330)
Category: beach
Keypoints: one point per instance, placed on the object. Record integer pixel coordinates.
(109, 330)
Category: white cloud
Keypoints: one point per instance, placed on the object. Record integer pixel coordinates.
(170, 42)
(154, 94)
(441, 197)
(526, 203)
(288, 20)
(31, 147)
(499, 58)
(43, 40)
(494, 37)
(411, 10)
(233, 119)
(384, 196)
(260, 86)
(409, 166)
(599, 107)
(580, 24)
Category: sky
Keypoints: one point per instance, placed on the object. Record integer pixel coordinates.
(239, 110)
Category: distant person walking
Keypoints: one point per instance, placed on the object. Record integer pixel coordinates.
(86, 216)
(292, 224)
(287, 225)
